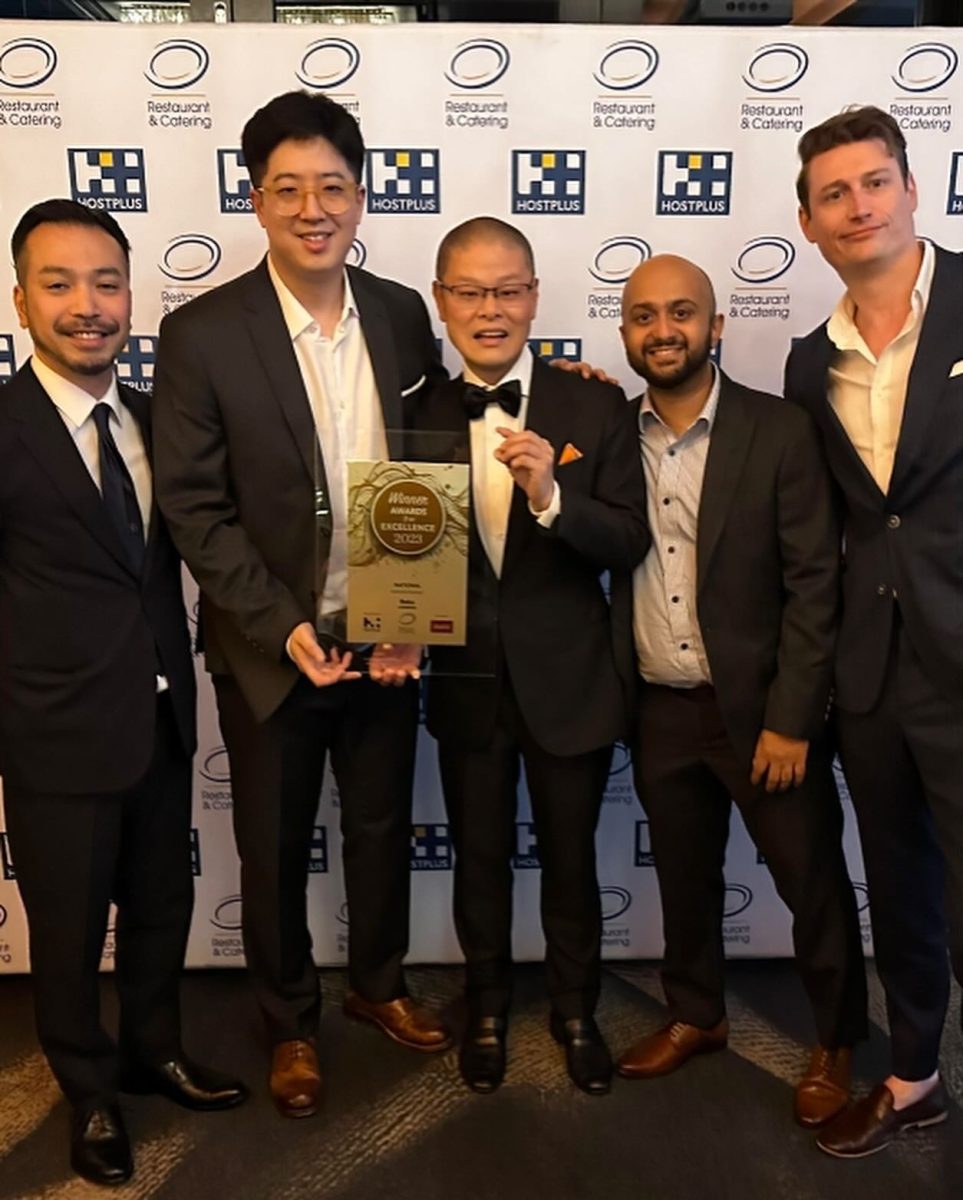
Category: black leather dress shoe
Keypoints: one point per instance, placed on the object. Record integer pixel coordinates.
(873, 1122)
(186, 1083)
(586, 1054)
(99, 1149)
(482, 1055)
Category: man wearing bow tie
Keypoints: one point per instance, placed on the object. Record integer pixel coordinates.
(883, 378)
(557, 499)
(96, 691)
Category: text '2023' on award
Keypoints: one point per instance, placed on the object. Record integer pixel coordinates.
(408, 552)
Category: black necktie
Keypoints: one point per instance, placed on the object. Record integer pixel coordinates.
(507, 395)
(117, 490)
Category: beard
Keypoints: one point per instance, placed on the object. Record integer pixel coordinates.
(692, 362)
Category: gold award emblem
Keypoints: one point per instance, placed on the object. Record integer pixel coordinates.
(408, 517)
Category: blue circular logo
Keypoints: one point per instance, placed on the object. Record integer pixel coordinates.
(615, 901)
(776, 67)
(342, 913)
(478, 63)
(3, 916)
(764, 259)
(926, 67)
(216, 767)
(26, 62)
(617, 258)
(621, 759)
(627, 64)
(737, 900)
(357, 253)
(190, 257)
(227, 914)
(328, 63)
(862, 896)
(177, 63)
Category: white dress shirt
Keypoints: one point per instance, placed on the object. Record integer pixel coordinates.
(668, 641)
(76, 408)
(869, 394)
(346, 408)
(491, 480)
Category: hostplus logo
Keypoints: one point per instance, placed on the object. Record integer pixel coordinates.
(8, 358)
(135, 363)
(6, 860)
(643, 846)
(556, 347)
(548, 182)
(954, 201)
(526, 847)
(926, 73)
(623, 69)
(233, 182)
(772, 72)
(694, 183)
(404, 181)
(318, 851)
(111, 179)
(430, 848)
(476, 66)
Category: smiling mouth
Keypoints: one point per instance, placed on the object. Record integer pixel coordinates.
(490, 335)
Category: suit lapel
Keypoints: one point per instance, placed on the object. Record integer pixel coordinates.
(732, 433)
(840, 450)
(939, 347)
(48, 441)
(379, 339)
(270, 338)
(541, 417)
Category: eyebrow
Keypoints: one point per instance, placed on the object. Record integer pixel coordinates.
(650, 305)
(322, 175)
(870, 174)
(55, 270)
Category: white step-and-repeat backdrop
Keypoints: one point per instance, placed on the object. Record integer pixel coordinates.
(605, 145)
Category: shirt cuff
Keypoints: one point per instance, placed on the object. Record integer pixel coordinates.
(548, 516)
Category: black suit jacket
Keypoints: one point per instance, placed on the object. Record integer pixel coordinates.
(237, 455)
(907, 544)
(80, 634)
(767, 554)
(547, 620)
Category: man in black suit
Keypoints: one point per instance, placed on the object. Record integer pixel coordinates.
(735, 619)
(557, 499)
(264, 389)
(96, 691)
(883, 379)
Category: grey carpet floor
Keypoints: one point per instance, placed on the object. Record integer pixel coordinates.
(401, 1126)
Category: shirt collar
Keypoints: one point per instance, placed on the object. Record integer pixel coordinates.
(841, 328)
(707, 413)
(296, 316)
(521, 370)
(75, 404)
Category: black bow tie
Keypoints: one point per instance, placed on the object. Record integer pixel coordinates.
(507, 396)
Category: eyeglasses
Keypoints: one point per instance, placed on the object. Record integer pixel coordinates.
(334, 197)
(469, 296)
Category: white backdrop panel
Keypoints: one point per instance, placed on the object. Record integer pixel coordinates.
(604, 145)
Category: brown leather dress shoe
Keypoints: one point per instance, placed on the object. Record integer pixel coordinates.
(872, 1123)
(402, 1020)
(824, 1089)
(665, 1051)
(295, 1079)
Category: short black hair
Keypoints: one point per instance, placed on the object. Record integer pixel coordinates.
(482, 227)
(63, 212)
(301, 117)
(865, 124)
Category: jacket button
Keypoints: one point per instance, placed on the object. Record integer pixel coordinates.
(893, 521)
(882, 590)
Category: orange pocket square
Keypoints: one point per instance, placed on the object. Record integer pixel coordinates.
(569, 454)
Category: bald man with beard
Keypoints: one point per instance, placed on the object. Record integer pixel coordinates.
(734, 617)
